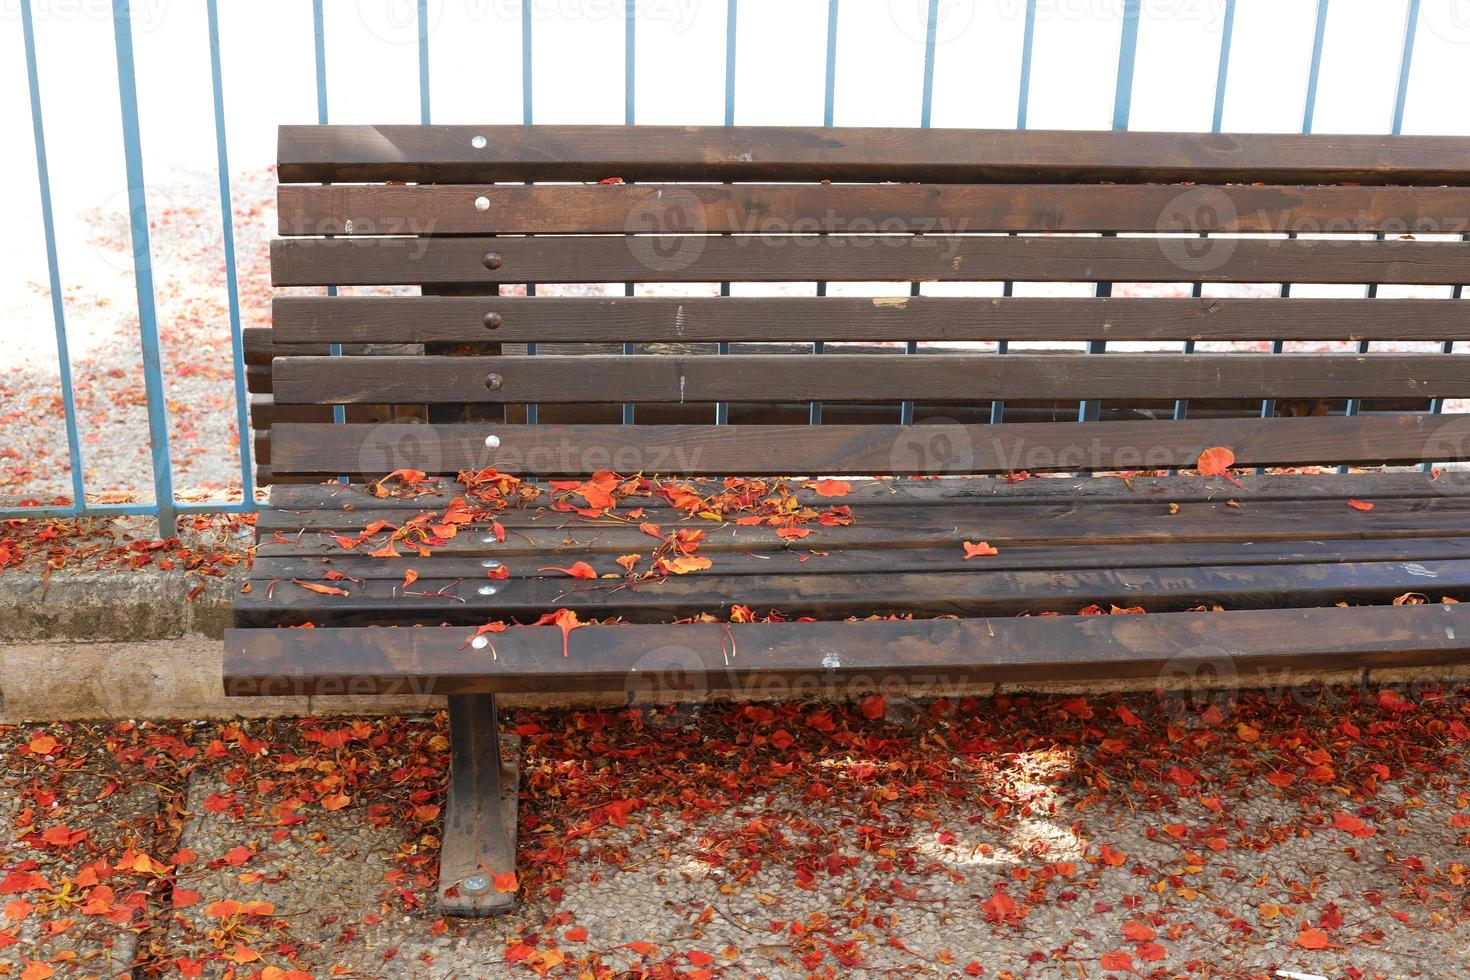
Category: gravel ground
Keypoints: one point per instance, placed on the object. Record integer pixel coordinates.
(1319, 832)
(73, 818)
(102, 329)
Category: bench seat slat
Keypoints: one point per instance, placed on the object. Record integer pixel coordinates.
(844, 258)
(314, 154)
(772, 209)
(871, 493)
(555, 450)
(1203, 522)
(936, 652)
(969, 592)
(652, 319)
(1241, 507)
(861, 378)
(846, 561)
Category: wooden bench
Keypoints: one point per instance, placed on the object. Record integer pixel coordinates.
(1294, 570)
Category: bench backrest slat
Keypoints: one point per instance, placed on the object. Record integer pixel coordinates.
(449, 154)
(689, 320)
(935, 447)
(603, 258)
(783, 209)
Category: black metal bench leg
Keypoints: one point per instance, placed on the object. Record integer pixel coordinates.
(480, 813)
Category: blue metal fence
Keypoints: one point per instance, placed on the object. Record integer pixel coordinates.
(166, 507)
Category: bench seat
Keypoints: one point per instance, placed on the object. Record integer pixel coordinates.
(1164, 545)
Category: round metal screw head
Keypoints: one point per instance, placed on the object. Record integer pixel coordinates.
(492, 321)
(492, 442)
(490, 563)
(479, 643)
(494, 381)
(482, 203)
(478, 142)
(474, 883)
(492, 260)
(488, 590)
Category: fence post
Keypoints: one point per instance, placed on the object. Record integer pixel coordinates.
(1401, 95)
(1309, 112)
(1008, 288)
(53, 272)
(732, 20)
(232, 282)
(1087, 410)
(829, 100)
(127, 85)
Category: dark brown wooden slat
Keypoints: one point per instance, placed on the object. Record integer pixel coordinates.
(841, 258)
(517, 153)
(862, 378)
(974, 592)
(550, 319)
(869, 493)
(868, 449)
(935, 512)
(264, 412)
(262, 344)
(843, 562)
(258, 379)
(779, 209)
(1202, 522)
(817, 658)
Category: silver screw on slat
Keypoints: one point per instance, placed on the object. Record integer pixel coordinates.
(478, 142)
(492, 442)
(475, 883)
(488, 590)
(482, 203)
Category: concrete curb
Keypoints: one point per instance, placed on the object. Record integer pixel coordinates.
(110, 644)
(113, 605)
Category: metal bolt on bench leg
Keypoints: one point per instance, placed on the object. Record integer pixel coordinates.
(480, 812)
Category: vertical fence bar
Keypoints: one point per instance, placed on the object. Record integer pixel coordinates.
(423, 17)
(722, 409)
(1309, 110)
(232, 279)
(1088, 411)
(127, 85)
(1028, 44)
(1436, 406)
(1314, 72)
(53, 267)
(630, 36)
(926, 109)
(1008, 288)
(1401, 94)
(1217, 121)
(533, 411)
(829, 99)
(319, 37)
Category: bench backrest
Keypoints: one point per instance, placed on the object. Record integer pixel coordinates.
(664, 251)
